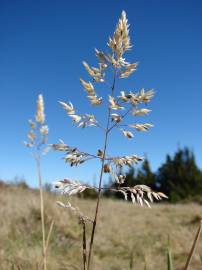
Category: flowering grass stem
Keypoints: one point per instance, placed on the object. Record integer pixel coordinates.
(101, 176)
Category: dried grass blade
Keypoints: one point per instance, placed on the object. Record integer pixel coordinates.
(193, 246)
(84, 246)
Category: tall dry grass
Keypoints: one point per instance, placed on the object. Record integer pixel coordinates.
(37, 140)
(123, 229)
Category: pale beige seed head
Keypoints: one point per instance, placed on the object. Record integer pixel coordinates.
(120, 42)
(40, 115)
(44, 130)
(124, 28)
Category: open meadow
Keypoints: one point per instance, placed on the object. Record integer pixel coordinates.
(126, 233)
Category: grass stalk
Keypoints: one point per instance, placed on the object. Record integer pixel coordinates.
(194, 245)
(101, 176)
(169, 259)
(169, 255)
(38, 164)
(49, 235)
(84, 245)
(131, 262)
(47, 241)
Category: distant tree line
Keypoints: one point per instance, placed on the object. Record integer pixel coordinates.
(178, 177)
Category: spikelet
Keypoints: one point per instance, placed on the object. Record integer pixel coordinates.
(141, 112)
(127, 134)
(69, 108)
(124, 28)
(145, 97)
(123, 97)
(103, 58)
(69, 187)
(95, 73)
(116, 117)
(40, 116)
(32, 124)
(129, 69)
(113, 104)
(44, 130)
(129, 161)
(141, 127)
(130, 97)
(120, 42)
(31, 136)
(88, 86)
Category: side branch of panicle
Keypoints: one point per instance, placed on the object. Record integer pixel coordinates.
(73, 155)
(84, 120)
(140, 194)
(81, 217)
(93, 98)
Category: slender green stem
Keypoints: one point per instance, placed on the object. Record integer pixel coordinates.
(100, 179)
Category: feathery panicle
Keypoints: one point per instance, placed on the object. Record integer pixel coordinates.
(38, 132)
(37, 139)
(129, 103)
(40, 115)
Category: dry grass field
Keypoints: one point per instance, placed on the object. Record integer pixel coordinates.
(123, 229)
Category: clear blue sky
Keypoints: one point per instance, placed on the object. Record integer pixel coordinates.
(41, 49)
